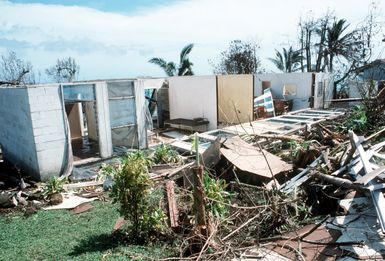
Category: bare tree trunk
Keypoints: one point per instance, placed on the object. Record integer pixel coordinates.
(321, 46)
(302, 47)
(307, 47)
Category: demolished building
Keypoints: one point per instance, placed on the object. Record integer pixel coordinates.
(51, 125)
(43, 127)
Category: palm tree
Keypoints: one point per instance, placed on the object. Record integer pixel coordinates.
(339, 44)
(171, 69)
(287, 61)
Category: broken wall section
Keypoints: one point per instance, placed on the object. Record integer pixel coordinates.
(16, 132)
(32, 132)
(297, 87)
(49, 129)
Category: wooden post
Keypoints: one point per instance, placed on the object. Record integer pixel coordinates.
(199, 194)
(172, 206)
(199, 197)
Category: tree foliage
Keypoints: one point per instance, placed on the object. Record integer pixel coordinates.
(240, 58)
(15, 71)
(287, 61)
(331, 44)
(327, 41)
(171, 69)
(65, 70)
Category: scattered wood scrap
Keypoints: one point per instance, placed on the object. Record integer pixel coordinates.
(172, 207)
(248, 158)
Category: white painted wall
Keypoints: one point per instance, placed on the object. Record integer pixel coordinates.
(323, 90)
(103, 119)
(49, 132)
(278, 80)
(92, 127)
(303, 82)
(193, 97)
(16, 133)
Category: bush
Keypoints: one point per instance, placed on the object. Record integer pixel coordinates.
(53, 186)
(164, 154)
(357, 120)
(218, 199)
(132, 191)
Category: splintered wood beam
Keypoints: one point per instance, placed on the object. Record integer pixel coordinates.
(172, 207)
(278, 137)
(370, 176)
(377, 196)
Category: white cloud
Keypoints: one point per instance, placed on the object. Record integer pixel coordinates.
(114, 45)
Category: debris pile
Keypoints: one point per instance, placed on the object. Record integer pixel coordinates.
(313, 191)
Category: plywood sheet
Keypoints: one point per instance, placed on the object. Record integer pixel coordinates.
(235, 98)
(248, 158)
(75, 119)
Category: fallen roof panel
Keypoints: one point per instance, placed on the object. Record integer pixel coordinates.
(248, 158)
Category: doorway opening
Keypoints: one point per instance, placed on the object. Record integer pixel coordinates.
(83, 126)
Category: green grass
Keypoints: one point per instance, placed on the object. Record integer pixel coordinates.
(61, 235)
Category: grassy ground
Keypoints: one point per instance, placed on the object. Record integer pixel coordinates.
(61, 235)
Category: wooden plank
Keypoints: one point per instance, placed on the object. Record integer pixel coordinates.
(379, 155)
(326, 112)
(377, 196)
(172, 206)
(289, 120)
(300, 178)
(315, 115)
(370, 176)
(82, 184)
(303, 116)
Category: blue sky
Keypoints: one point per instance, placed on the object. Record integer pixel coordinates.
(116, 38)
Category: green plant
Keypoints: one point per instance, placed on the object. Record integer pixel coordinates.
(357, 120)
(164, 154)
(107, 170)
(132, 190)
(296, 146)
(53, 186)
(218, 199)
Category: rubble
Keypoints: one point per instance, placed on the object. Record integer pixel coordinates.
(293, 204)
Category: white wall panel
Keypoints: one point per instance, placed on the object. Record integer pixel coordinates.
(193, 97)
(301, 80)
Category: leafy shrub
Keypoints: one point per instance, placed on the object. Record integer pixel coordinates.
(53, 186)
(218, 199)
(111, 170)
(107, 170)
(164, 154)
(295, 147)
(132, 191)
(357, 120)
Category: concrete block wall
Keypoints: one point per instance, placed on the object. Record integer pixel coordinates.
(49, 129)
(16, 132)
